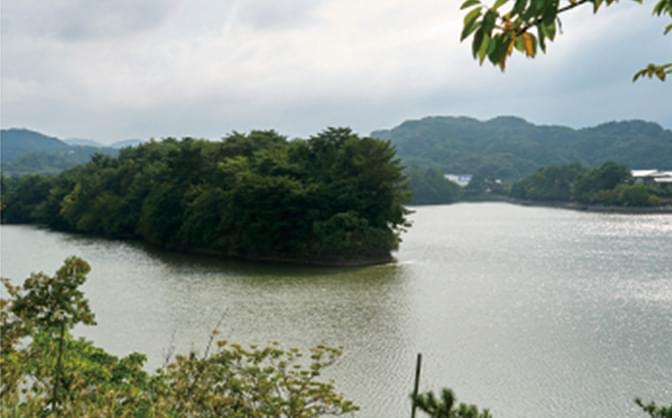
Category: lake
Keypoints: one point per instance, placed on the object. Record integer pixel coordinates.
(531, 312)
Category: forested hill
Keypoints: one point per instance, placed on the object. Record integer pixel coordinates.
(18, 142)
(509, 147)
(29, 152)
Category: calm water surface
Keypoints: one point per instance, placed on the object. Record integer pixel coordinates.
(532, 312)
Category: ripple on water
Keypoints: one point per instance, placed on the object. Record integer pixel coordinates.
(653, 291)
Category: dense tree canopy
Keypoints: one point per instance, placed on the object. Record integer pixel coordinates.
(334, 196)
(528, 25)
(429, 187)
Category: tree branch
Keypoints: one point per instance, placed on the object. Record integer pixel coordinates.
(560, 10)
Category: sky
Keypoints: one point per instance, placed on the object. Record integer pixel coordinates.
(113, 70)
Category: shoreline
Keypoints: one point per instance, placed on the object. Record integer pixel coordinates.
(325, 261)
(333, 262)
(581, 207)
(584, 207)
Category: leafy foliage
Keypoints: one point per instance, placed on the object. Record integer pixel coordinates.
(661, 71)
(254, 382)
(49, 163)
(655, 411)
(607, 184)
(446, 406)
(47, 372)
(429, 186)
(332, 197)
(528, 25)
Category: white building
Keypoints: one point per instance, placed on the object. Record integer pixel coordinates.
(651, 176)
(461, 180)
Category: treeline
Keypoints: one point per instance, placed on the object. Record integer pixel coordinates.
(609, 184)
(334, 196)
(50, 163)
(430, 187)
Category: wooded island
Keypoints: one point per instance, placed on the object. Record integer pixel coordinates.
(335, 198)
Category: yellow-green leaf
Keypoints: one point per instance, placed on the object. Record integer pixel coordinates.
(596, 5)
(469, 3)
(472, 16)
(498, 4)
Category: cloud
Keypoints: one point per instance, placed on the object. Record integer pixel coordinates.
(81, 19)
(205, 67)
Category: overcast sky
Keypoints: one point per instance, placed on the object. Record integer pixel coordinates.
(111, 70)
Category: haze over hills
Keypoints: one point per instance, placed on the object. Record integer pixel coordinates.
(82, 142)
(509, 147)
(126, 143)
(91, 143)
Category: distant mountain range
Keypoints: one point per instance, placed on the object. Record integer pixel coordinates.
(504, 147)
(509, 147)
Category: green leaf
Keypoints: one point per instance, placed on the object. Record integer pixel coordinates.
(550, 13)
(520, 44)
(489, 21)
(541, 32)
(549, 30)
(498, 4)
(596, 5)
(476, 43)
(486, 46)
(498, 53)
(539, 5)
(470, 23)
(468, 30)
(471, 16)
(518, 7)
(494, 54)
(469, 3)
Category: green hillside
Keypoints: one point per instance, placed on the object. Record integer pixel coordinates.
(509, 147)
(18, 142)
(29, 152)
